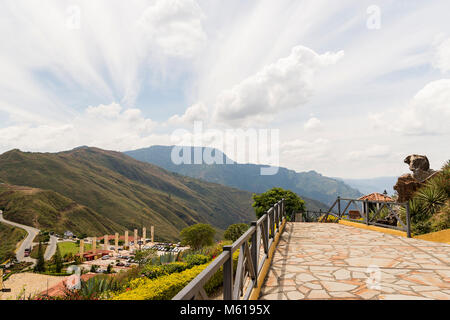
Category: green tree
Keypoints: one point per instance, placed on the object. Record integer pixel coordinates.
(234, 231)
(40, 264)
(263, 202)
(198, 236)
(58, 260)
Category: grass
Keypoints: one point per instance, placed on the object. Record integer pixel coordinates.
(34, 251)
(72, 247)
(49, 210)
(9, 237)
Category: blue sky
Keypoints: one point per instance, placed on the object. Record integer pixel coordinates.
(352, 86)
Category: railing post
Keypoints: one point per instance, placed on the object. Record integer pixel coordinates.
(408, 220)
(254, 251)
(228, 275)
(275, 216)
(339, 206)
(366, 209)
(272, 224)
(279, 215)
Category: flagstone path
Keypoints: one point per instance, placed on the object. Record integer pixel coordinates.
(334, 261)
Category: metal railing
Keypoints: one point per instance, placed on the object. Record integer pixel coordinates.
(250, 261)
(370, 215)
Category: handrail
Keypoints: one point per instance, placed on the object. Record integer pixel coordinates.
(250, 261)
(392, 206)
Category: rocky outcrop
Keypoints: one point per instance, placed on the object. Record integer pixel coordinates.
(408, 184)
(420, 166)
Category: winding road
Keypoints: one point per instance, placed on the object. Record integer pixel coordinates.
(28, 241)
(51, 248)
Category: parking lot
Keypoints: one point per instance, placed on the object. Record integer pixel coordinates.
(124, 259)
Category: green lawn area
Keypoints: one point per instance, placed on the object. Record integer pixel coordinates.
(72, 247)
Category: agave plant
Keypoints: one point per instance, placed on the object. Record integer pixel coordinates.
(96, 287)
(431, 199)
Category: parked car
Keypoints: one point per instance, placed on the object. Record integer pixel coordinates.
(105, 257)
(120, 264)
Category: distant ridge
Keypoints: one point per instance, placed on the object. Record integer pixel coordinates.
(319, 191)
(367, 186)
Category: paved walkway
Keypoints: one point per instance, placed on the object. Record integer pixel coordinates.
(333, 261)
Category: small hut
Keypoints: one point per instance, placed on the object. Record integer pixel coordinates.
(377, 199)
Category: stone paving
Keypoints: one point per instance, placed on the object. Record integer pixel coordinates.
(333, 261)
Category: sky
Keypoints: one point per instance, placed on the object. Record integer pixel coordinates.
(349, 87)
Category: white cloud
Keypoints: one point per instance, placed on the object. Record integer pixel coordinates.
(313, 124)
(118, 48)
(103, 126)
(373, 151)
(196, 112)
(283, 85)
(174, 27)
(442, 56)
(428, 113)
(305, 154)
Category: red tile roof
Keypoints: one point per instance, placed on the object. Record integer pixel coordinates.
(377, 197)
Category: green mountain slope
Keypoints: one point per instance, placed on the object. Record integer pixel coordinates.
(48, 210)
(9, 237)
(309, 185)
(128, 192)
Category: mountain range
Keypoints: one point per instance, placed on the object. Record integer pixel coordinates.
(106, 191)
(318, 191)
(373, 185)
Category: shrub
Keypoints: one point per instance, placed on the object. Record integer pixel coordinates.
(94, 268)
(196, 260)
(235, 231)
(162, 288)
(210, 251)
(441, 220)
(166, 287)
(421, 227)
(330, 218)
(153, 272)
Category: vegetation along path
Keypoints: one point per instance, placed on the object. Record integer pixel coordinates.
(334, 261)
